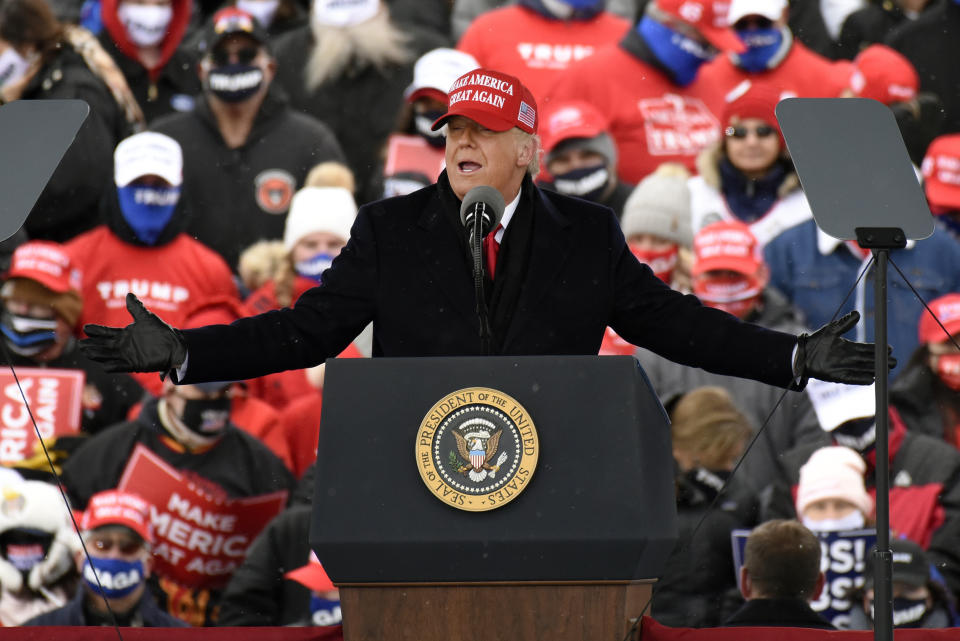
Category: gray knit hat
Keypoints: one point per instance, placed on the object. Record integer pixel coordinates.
(660, 205)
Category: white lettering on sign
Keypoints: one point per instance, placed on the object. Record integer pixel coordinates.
(677, 125)
(151, 292)
(545, 55)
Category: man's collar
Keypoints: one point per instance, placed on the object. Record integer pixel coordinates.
(508, 213)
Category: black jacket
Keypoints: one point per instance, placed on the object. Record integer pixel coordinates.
(930, 42)
(146, 614)
(258, 593)
(235, 197)
(68, 205)
(925, 404)
(238, 463)
(406, 269)
(870, 25)
(778, 613)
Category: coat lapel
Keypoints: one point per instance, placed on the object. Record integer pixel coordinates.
(550, 248)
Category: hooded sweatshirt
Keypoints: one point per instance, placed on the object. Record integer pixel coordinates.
(171, 84)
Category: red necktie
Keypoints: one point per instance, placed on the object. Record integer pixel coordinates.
(490, 250)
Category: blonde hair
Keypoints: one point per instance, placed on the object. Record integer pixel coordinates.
(523, 138)
(331, 174)
(709, 427)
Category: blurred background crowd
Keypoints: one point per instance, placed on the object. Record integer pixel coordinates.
(219, 173)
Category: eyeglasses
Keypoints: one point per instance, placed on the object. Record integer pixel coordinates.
(125, 545)
(763, 131)
(244, 55)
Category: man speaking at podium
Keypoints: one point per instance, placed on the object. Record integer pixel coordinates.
(557, 273)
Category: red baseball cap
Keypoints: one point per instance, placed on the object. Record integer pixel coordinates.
(709, 17)
(498, 101)
(727, 246)
(47, 263)
(312, 575)
(758, 100)
(884, 74)
(941, 173)
(114, 507)
(570, 119)
(947, 309)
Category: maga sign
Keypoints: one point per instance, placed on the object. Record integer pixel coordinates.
(200, 540)
(54, 396)
(843, 557)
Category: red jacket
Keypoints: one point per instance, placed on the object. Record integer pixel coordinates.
(652, 120)
(169, 279)
(535, 49)
(299, 430)
(265, 298)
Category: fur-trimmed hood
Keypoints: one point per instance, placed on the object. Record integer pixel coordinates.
(708, 167)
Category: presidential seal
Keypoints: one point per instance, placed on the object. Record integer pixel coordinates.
(477, 449)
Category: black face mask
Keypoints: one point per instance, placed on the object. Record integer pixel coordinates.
(588, 183)
(859, 435)
(23, 548)
(206, 416)
(234, 82)
(709, 482)
(907, 613)
(423, 123)
(27, 336)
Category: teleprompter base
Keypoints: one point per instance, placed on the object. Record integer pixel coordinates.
(492, 612)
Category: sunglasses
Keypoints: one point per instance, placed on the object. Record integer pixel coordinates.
(125, 545)
(763, 131)
(243, 55)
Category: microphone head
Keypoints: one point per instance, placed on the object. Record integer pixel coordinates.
(489, 197)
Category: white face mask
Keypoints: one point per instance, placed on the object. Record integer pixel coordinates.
(145, 24)
(13, 66)
(262, 10)
(852, 521)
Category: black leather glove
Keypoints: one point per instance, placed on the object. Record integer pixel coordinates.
(146, 345)
(826, 356)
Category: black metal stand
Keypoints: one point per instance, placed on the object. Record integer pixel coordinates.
(475, 241)
(881, 241)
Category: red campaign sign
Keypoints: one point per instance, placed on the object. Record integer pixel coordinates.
(201, 540)
(55, 397)
(413, 153)
(677, 125)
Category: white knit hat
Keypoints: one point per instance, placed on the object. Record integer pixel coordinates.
(313, 209)
(833, 472)
(660, 205)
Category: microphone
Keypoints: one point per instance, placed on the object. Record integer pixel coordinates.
(483, 205)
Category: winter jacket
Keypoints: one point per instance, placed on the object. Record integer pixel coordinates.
(708, 203)
(258, 593)
(790, 613)
(793, 422)
(652, 119)
(808, 26)
(926, 405)
(522, 42)
(170, 85)
(69, 203)
(871, 25)
(146, 614)
(246, 197)
(698, 587)
(930, 42)
(615, 200)
(816, 272)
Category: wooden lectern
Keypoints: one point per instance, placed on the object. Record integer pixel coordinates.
(571, 556)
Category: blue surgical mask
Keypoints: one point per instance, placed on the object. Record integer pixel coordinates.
(27, 336)
(324, 611)
(678, 53)
(314, 266)
(763, 45)
(423, 123)
(118, 577)
(148, 209)
(588, 183)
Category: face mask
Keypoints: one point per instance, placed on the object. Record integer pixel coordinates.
(678, 53)
(206, 416)
(907, 613)
(762, 45)
(145, 24)
(262, 10)
(859, 435)
(588, 183)
(28, 336)
(710, 482)
(948, 370)
(314, 266)
(852, 521)
(13, 66)
(235, 82)
(423, 122)
(325, 611)
(118, 577)
(567, 9)
(661, 261)
(148, 209)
